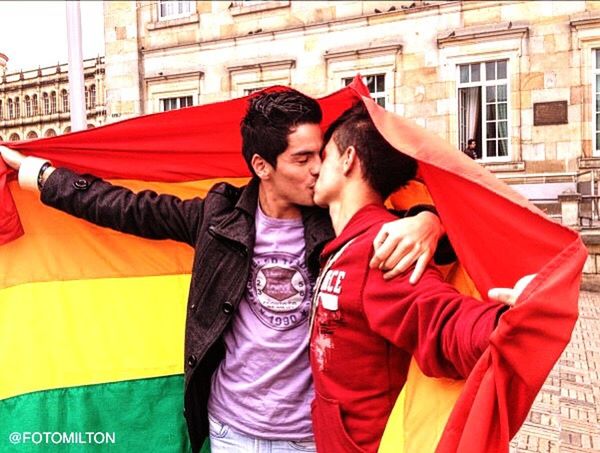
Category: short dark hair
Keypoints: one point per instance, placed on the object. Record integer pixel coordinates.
(270, 118)
(384, 167)
(471, 140)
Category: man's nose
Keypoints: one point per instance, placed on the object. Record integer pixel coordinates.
(316, 166)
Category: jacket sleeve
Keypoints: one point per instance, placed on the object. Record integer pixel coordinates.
(444, 330)
(144, 214)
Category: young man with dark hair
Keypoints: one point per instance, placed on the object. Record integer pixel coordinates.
(247, 376)
(471, 149)
(365, 330)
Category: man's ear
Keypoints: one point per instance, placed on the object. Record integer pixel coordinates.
(262, 168)
(349, 159)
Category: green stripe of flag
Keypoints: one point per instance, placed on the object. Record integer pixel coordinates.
(130, 416)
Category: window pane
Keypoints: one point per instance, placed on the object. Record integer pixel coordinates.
(491, 112)
(597, 102)
(501, 90)
(597, 122)
(464, 73)
(502, 69)
(597, 83)
(475, 69)
(490, 70)
(380, 101)
(503, 129)
(380, 83)
(490, 94)
(502, 147)
(598, 141)
(491, 148)
(597, 59)
(370, 83)
(491, 129)
(502, 111)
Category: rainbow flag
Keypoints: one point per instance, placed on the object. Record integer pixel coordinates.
(92, 321)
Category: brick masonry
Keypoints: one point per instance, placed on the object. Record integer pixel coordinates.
(566, 414)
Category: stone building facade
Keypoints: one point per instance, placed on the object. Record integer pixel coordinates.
(35, 103)
(520, 77)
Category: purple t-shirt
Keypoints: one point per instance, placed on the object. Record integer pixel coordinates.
(263, 387)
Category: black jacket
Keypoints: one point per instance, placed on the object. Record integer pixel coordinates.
(221, 228)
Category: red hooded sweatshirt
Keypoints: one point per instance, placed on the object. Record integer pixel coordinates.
(365, 331)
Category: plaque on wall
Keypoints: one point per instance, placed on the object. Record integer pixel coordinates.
(547, 113)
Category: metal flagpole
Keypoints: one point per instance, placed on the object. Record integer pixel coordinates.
(76, 86)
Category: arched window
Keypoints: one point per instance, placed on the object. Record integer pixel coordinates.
(31, 135)
(34, 104)
(1, 111)
(1, 139)
(27, 106)
(65, 100)
(90, 126)
(14, 137)
(17, 107)
(67, 130)
(92, 97)
(53, 102)
(50, 133)
(45, 104)
(11, 110)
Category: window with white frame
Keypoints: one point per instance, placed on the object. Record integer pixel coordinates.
(53, 102)
(596, 104)
(65, 100)
(27, 106)
(45, 104)
(167, 104)
(174, 9)
(90, 99)
(483, 108)
(34, 104)
(376, 85)
(248, 91)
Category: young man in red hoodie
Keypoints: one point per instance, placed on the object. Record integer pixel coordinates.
(364, 329)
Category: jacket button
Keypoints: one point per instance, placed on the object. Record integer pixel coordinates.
(192, 360)
(192, 306)
(81, 184)
(227, 308)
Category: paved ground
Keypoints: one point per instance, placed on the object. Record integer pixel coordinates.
(566, 415)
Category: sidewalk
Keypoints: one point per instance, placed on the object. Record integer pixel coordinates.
(565, 417)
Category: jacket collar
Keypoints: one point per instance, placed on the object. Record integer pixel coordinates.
(360, 222)
(239, 226)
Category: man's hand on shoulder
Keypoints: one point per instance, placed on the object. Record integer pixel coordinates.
(12, 158)
(404, 242)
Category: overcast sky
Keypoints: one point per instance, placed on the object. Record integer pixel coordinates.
(34, 33)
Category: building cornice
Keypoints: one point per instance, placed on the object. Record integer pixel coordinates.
(283, 63)
(174, 76)
(477, 34)
(587, 21)
(381, 46)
